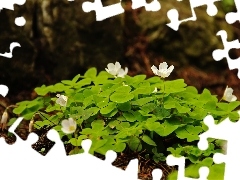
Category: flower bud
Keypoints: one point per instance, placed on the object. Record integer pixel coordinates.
(30, 126)
(4, 120)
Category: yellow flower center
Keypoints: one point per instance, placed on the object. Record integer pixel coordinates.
(71, 128)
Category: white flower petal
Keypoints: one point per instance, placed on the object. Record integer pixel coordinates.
(65, 123)
(65, 130)
(111, 66)
(163, 66)
(228, 96)
(163, 70)
(122, 73)
(234, 98)
(62, 100)
(72, 122)
(69, 126)
(155, 70)
(117, 66)
(170, 69)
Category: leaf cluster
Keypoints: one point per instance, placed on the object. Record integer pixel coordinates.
(124, 114)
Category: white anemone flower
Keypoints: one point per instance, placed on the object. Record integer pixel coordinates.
(228, 96)
(113, 69)
(62, 100)
(69, 126)
(163, 70)
(116, 70)
(122, 72)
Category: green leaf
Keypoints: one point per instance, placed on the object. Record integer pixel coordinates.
(75, 79)
(91, 73)
(75, 142)
(42, 91)
(189, 132)
(96, 144)
(102, 103)
(11, 121)
(228, 107)
(88, 101)
(100, 79)
(170, 103)
(143, 101)
(124, 106)
(98, 125)
(121, 97)
(165, 128)
(207, 96)
(78, 97)
(83, 82)
(148, 140)
(109, 108)
(119, 146)
(129, 116)
(142, 90)
(67, 82)
(123, 89)
(234, 116)
(173, 86)
(181, 108)
(19, 109)
(135, 144)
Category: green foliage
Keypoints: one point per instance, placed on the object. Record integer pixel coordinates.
(124, 113)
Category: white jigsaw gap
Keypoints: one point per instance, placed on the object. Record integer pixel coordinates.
(224, 53)
(153, 6)
(19, 21)
(3, 90)
(103, 12)
(229, 131)
(12, 46)
(232, 17)
(9, 4)
(180, 162)
(173, 14)
(20, 154)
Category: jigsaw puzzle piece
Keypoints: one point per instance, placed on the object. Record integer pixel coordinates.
(226, 130)
(232, 17)
(58, 150)
(103, 12)
(9, 4)
(157, 174)
(173, 14)
(12, 46)
(180, 162)
(153, 6)
(224, 53)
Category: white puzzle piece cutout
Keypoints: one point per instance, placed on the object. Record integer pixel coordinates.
(229, 131)
(12, 46)
(173, 14)
(103, 13)
(180, 162)
(224, 53)
(19, 21)
(232, 17)
(3, 90)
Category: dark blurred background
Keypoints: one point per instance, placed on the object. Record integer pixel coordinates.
(59, 41)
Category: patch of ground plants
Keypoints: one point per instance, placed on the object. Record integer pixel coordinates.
(119, 112)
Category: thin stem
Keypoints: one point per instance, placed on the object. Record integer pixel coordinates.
(163, 93)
